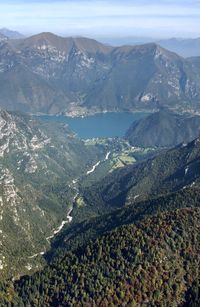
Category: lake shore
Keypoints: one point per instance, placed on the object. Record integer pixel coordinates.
(99, 125)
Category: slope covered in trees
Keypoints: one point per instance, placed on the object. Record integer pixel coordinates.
(79, 234)
(169, 171)
(163, 129)
(154, 263)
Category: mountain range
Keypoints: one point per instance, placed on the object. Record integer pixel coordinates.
(163, 129)
(11, 34)
(50, 74)
(185, 47)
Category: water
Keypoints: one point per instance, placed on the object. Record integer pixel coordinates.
(98, 125)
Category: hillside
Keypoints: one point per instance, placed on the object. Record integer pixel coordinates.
(163, 129)
(38, 163)
(79, 234)
(169, 171)
(46, 73)
(155, 262)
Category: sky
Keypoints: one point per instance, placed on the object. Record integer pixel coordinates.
(100, 18)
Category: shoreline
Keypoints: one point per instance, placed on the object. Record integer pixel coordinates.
(90, 113)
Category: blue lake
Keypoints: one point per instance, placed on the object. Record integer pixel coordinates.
(98, 125)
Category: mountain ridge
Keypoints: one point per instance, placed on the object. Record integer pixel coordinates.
(80, 75)
(10, 34)
(163, 129)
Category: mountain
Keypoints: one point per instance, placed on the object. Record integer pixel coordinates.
(3, 38)
(76, 235)
(169, 171)
(49, 40)
(155, 262)
(187, 47)
(38, 163)
(46, 73)
(163, 129)
(11, 34)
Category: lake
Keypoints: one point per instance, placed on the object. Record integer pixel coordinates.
(99, 125)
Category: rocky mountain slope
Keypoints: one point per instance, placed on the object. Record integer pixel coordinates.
(163, 129)
(50, 74)
(3, 38)
(38, 163)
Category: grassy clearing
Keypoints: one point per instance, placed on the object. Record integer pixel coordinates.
(80, 202)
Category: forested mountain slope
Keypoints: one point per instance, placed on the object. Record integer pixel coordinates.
(155, 262)
(163, 129)
(169, 171)
(79, 234)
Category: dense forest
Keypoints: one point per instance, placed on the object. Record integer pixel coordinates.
(78, 234)
(154, 263)
(144, 253)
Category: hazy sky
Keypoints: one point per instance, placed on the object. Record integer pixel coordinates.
(99, 18)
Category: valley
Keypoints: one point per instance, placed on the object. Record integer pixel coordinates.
(99, 173)
(117, 190)
(37, 164)
(43, 168)
(71, 196)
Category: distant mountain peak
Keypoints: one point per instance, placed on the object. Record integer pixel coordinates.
(65, 44)
(11, 34)
(185, 47)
